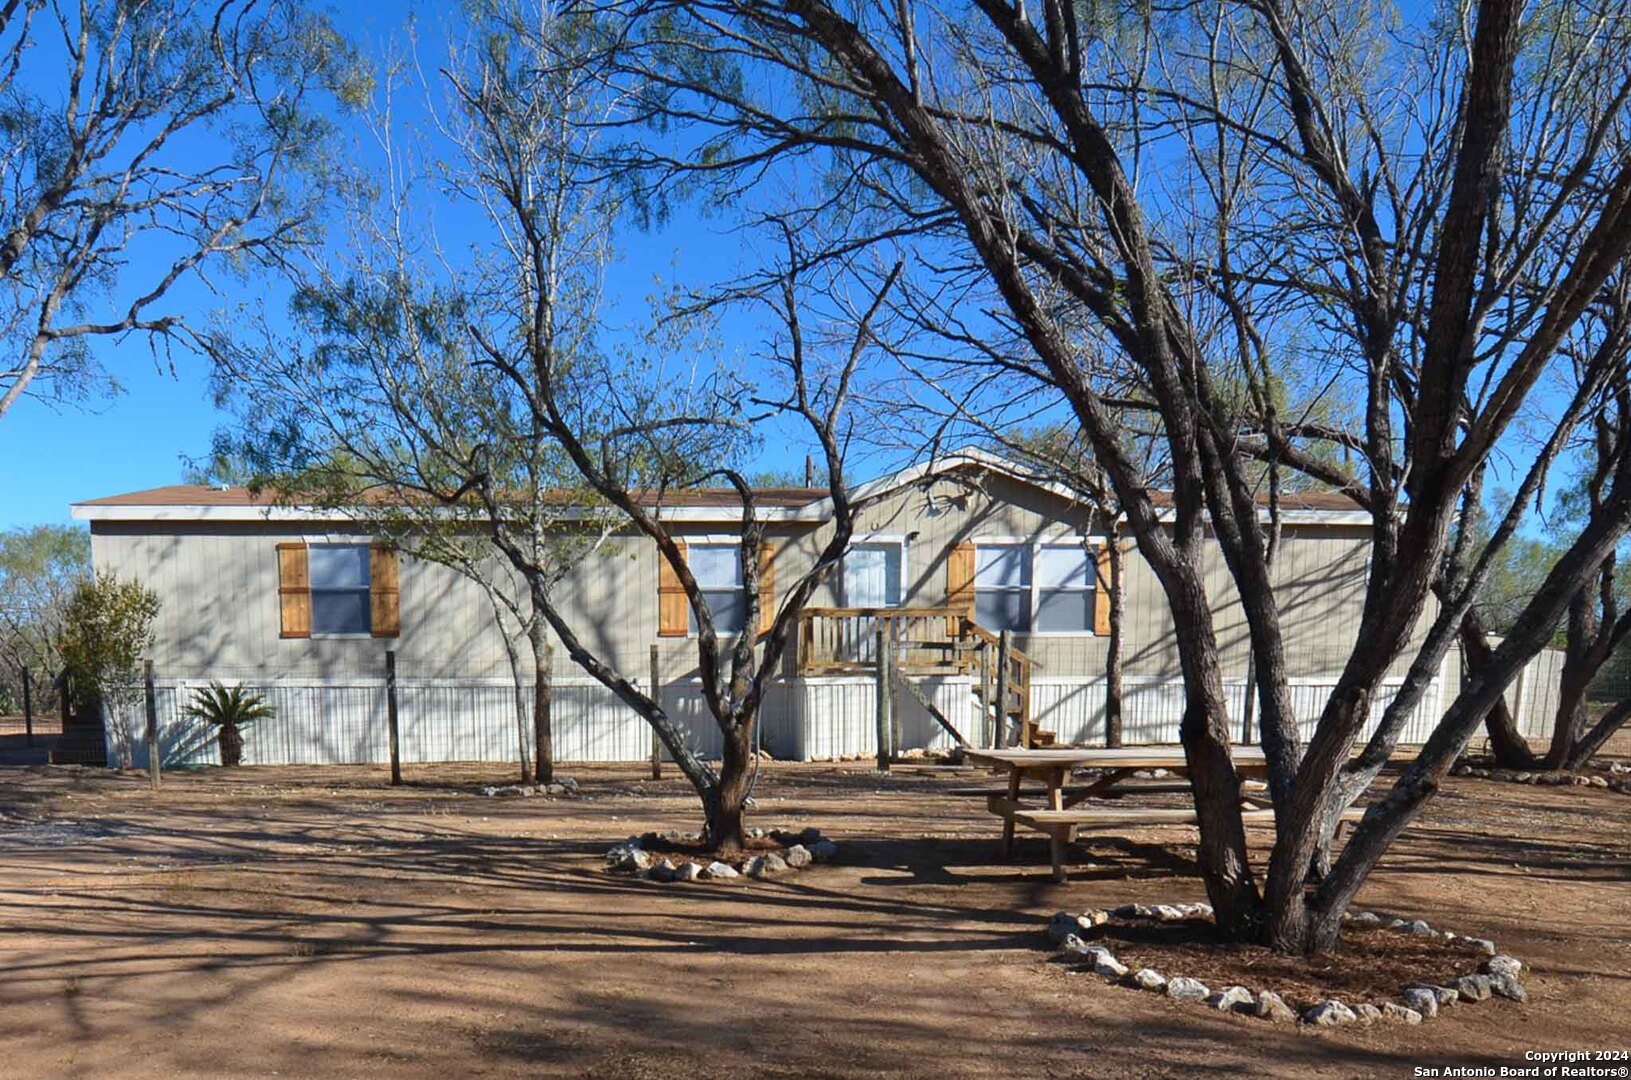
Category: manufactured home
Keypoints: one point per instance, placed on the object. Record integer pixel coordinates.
(982, 578)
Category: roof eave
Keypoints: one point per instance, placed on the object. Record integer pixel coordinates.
(293, 514)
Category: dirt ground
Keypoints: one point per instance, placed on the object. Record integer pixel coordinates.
(318, 923)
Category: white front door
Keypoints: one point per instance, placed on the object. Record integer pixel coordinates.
(872, 576)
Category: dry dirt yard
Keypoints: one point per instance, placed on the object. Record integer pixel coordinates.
(318, 923)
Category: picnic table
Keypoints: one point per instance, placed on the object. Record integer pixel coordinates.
(1060, 814)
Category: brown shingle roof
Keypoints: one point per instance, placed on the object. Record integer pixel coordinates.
(1289, 500)
(197, 495)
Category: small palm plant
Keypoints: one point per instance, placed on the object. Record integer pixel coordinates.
(229, 708)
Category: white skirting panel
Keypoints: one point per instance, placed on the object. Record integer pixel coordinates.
(802, 719)
(836, 717)
(327, 723)
(1153, 709)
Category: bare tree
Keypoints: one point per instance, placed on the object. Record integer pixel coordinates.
(149, 142)
(468, 379)
(1596, 626)
(1427, 255)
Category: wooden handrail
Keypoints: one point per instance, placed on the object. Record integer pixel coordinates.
(885, 612)
(924, 641)
(974, 629)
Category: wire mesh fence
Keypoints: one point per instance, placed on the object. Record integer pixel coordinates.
(323, 718)
(347, 722)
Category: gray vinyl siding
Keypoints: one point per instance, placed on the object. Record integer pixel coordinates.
(1319, 575)
(218, 592)
(218, 585)
(218, 588)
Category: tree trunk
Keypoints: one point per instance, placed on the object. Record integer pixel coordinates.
(518, 694)
(1112, 662)
(724, 806)
(1204, 731)
(1568, 725)
(1384, 820)
(543, 686)
(1511, 749)
(232, 745)
(1578, 670)
(1587, 745)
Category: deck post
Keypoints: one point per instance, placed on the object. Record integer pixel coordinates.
(885, 699)
(28, 708)
(391, 717)
(151, 701)
(991, 733)
(656, 696)
(1005, 642)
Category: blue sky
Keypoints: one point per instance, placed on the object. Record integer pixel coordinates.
(143, 436)
(53, 456)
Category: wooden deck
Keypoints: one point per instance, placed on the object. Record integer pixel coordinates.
(925, 642)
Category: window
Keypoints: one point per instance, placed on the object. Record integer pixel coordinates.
(339, 589)
(718, 570)
(1002, 586)
(872, 575)
(1064, 589)
(1042, 589)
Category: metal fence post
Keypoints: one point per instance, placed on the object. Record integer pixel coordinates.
(152, 724)
(543, 740)
(390, 716)
(886, 726)
(28, 708)
(657, 697)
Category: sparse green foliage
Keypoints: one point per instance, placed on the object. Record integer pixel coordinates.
(149, 143)
(39, 569)
(107, 627)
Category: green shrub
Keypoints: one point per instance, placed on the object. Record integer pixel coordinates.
(107, 626)
(229, 708)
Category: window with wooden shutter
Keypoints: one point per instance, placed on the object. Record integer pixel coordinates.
(767, 586)
(960, 578)
(1004, 586)
(1101, 595)
(384, 591)
(294, 591)
(673, 610)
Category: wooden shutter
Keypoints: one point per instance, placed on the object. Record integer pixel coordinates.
(767, 586)
(294, 591)
(673, 609)
(384, 591)
(1101, 591)
(960, 578)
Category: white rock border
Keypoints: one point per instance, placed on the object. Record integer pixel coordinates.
(1497, 976)
(801, 849)
(1618, 776)
(566, 788)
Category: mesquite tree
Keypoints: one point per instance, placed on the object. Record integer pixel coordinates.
(1596, 625)
(1232, 194)
(461, 378)
(149, 142)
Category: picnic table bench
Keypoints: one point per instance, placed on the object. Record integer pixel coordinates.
(1062, 815)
